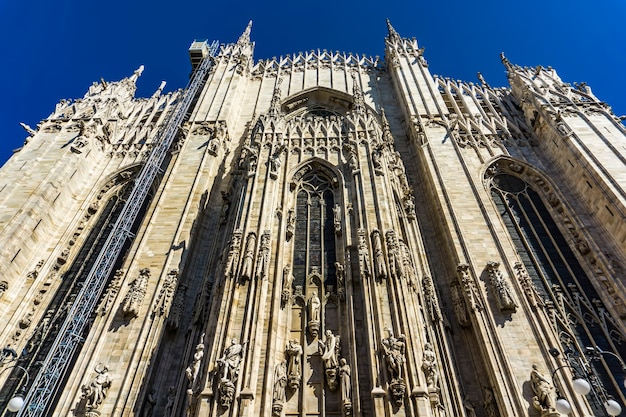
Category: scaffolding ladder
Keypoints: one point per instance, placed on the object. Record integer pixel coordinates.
(46, 383)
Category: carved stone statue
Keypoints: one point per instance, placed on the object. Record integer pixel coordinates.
(429, 366)
(228, 366)
(340, 273)
(193, 369)
(287, 284)
(315, 305)
(330, 358)
(544, 392)
(96, 391)
(379, 257)
(291, 223)
(280, 382)
(229, 362)
(337, 219)
(248, 258)
(394, 352)
(171, 398)
(262, 264)
(364, 263)
(294, 352)
(346, 386)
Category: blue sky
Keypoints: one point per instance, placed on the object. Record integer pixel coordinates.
(55, 49)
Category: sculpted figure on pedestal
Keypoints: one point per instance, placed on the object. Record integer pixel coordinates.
(97, 389)
(330, 358)
(544, 391)
(429, 366)
(294, 352)
(346, 386)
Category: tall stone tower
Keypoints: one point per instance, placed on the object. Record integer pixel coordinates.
(323, 234)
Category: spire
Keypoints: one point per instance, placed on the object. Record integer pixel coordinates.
(391, 32)
(359, 103)
(244, 39)
(159, 90)
(505, 61)
(275, 103)
(136, 74)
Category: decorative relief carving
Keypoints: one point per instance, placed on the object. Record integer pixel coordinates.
(430, 297)
(166, 294)
(178, 306)
(469, 287)
(458, 304)
(533, 297)
(111, 292)
(502, 290)
(136, 293)
(262, 262)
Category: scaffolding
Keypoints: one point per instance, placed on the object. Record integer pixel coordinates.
(46, 383)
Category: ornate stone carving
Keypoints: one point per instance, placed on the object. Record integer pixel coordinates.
(165, 296)
(379, 257)
(396, 266)
(248, 258)
(330, 355)
(136, 293)
(469, 287)
(430, 297)
(228, 366)
(503, 293)
(315, 306)
(280, 383)
(4, 286)
(232, 258)
(408, 266)
(294, 352)
(95, 392)
(533, 297)
(544, 399)
(178, 306)
(337, 219)
(394, 354)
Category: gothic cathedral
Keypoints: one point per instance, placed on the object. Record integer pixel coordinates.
(319, 235)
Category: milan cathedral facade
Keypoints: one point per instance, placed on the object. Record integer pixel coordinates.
(323, 234)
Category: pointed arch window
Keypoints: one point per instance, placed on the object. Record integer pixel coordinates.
(560, 281)
(314, 245)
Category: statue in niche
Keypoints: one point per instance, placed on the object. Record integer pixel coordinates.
(376, 160)
(274, 162)
(228, 366)
(192, 370)
(294, 352)
(315, 305)
(429, 366)
(544, 392)
(280, 383)
(330, 354)
(395, 264)
(430, 296)
(248, 258)
(291, 223)
(407, 262)
(134, 297)
(346, 386)
(337, 219)
(96, 391)
(149, 404)
(501, 288)
(409, 204)
(340, 273)
(252, 156)
(288, 278)
(364, 263)
(379, 257)
(489, 402)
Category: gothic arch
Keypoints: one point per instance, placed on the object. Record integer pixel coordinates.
(332, 174)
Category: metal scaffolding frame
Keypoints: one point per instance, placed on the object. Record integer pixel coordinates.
(46, 383)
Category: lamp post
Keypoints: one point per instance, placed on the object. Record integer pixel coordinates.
(16, 403)
(582, 386)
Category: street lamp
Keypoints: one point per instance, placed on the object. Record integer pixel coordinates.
(583, 387)
(16, 403)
